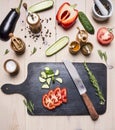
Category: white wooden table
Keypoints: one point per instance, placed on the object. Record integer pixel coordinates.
(13, 113)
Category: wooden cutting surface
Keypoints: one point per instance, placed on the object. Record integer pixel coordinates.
(13, 113)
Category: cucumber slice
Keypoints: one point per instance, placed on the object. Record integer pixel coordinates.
(41, 6)
(57, 72)
(48, 81)
(45, 86)
(43, 75)
(42, 80)
(57, 46)
(59, 80)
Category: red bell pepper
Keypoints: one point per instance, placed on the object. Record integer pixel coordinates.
(66, 15)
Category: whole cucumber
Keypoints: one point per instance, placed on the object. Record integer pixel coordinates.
(86, 23)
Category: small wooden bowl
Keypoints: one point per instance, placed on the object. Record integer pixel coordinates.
(10, 63)
(87, 49)
(74, 47)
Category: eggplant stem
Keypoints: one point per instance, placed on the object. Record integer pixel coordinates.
(20, 4)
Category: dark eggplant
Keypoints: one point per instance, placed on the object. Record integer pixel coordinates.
(9, 23)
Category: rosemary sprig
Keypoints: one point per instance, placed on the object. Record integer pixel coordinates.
(34, 51)
(95, 84)
(6, 51)
(29, 105)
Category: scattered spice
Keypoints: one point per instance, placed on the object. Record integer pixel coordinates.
(29, 105)
(6, 51)
(95, 84)
(43, 35)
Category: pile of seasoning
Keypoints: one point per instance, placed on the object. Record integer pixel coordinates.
(44, 34)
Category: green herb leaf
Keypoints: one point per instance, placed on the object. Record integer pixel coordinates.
(100, 54)
(34, 51)
(29, 105)
(6, 51)
(105, 56)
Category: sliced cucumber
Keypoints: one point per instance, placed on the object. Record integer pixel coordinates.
(41, 6)
(43, 75)
(45, 86)
(57, 72)
(59, 80)
(48, 81)
(42, 80)
(57, 46)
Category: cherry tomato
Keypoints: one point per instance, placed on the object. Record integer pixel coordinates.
(104, 36)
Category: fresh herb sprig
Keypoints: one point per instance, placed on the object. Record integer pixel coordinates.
(29, 105)
(95, 84)
(103, 56)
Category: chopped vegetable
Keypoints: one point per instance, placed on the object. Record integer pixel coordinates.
(95, 84)
(41, 6)
(29, 105)
(86, 23)
(48, 76)
(54, 98)
(57, 46)
(59, 80)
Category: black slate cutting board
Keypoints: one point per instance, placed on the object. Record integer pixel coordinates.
(32, 91)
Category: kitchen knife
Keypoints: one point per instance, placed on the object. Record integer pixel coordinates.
(82, 89)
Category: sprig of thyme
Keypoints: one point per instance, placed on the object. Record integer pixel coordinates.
(95, 84)
(29, 105)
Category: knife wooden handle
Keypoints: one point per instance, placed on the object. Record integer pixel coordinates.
(94, 115)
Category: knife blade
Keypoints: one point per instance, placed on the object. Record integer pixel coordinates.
(81, 88)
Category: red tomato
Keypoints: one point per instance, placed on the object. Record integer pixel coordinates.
(47, 102)
(64, 95)
(54, 98)
(66, 15)
(104, 36)
(57, 92)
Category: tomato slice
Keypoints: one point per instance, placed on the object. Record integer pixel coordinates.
(47, 102)
(54, 98)
(57, 92)
(64, 95)
(104, 36)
